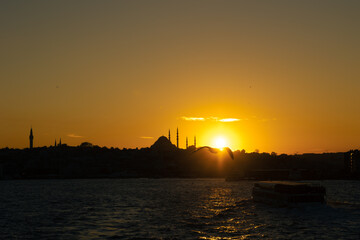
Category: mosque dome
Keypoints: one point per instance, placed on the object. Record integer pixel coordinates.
(163, 144)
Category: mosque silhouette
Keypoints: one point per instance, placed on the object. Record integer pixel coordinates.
(31, 140)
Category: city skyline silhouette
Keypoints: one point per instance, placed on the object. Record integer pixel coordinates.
(274, 76)
(191, 119)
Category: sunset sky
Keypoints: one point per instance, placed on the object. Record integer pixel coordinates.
(280, 76)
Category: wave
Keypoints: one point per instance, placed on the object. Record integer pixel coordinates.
(335, 203)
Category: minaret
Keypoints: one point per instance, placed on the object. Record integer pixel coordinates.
(31, 138)
(55, 143)
(177, 137)
(59, 143)
(187, 143)
(169, 136)
(195, 141)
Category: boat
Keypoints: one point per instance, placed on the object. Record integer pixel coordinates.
(287, 193)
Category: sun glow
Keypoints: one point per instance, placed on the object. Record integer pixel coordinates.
(220, 143)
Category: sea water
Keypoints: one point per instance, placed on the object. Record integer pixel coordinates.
(168, 209)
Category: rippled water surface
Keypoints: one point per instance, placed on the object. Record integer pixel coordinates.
(168, 209)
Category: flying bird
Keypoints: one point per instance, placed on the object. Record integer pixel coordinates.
(215, 150)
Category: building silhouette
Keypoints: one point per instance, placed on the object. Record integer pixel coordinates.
(31, 138)
(352, 162)
(177, 137)
(163, 145)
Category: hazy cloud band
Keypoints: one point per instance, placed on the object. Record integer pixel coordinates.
(74, 135)
(211, 119)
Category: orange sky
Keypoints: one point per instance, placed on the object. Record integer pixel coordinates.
(122, 73)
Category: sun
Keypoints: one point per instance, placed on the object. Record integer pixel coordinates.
(220, 143)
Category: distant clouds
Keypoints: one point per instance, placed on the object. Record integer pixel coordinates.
(226, 120)
(193, 118)
(211, 119)
(145, 137)
(74, 135)
(229, 120)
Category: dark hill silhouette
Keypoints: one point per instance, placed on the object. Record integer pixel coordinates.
(163, 144)
(164, 159)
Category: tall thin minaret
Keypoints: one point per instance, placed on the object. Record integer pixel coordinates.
(177, 137)
(60, 143)
(55, 143)
(195, 141)
(31, 138)
(169, 136)
(187, 143)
